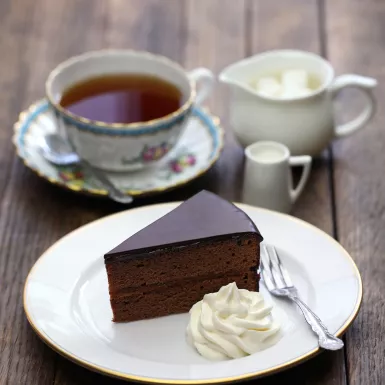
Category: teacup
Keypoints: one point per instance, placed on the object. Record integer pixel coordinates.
(268, 179)
(305, 124)
(119, 146)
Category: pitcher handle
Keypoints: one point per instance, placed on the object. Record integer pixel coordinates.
(364, 84)
(305, 161)
(203, 79)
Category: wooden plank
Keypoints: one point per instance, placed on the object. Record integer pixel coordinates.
(216, 38)
(359, 179)
(35, 35)
(294, 24)
(23, 358)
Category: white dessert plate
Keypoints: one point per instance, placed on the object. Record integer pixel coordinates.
(66, 301)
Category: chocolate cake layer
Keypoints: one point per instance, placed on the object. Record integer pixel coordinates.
(155, 291)
(173, 300)
(174, 264)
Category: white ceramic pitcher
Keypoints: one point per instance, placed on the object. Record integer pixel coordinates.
(304, 124)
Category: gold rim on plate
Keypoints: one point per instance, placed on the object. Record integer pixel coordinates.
(104, 193)
(124, 376)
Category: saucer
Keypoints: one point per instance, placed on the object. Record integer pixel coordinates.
(196, 152)
(66, 301)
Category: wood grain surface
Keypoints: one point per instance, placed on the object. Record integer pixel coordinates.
(359, 167)
(35, 35)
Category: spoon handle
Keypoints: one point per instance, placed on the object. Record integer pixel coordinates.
(113, 192)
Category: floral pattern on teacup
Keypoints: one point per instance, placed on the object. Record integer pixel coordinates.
(149, 154)
(75, 177)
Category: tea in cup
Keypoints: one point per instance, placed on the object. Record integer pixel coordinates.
(123, 110)
(287, 96)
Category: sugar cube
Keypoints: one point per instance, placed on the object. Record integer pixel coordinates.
(294, 78)
(268, 86)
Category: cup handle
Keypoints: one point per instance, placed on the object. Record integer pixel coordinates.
(305, 161)
(364, 84)
(205, 78)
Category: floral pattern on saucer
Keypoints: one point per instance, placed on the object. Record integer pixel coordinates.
(196, 152)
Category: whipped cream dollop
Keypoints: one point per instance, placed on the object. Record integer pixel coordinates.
(231, 323)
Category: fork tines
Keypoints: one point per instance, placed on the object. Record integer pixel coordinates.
(273, 272)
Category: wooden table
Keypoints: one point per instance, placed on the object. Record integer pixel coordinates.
(345, 196)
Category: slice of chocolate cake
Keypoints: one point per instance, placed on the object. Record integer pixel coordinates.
(200, 246)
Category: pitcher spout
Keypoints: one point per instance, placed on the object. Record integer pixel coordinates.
(225, 78)
(234, 77)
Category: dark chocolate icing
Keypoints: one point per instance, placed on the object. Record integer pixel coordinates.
(204, 216)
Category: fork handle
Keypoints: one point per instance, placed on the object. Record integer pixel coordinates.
(326, 340)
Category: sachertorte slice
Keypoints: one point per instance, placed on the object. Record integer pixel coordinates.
(200, 246)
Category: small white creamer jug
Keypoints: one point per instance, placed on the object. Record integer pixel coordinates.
(268, 179)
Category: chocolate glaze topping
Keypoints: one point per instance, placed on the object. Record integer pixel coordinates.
(203, 217)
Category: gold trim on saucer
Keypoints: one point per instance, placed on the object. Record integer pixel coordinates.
(259, 373)
(104, 193)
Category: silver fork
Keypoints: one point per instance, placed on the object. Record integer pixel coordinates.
(278, 282)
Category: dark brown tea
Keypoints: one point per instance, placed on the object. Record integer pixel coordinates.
(123, 98)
